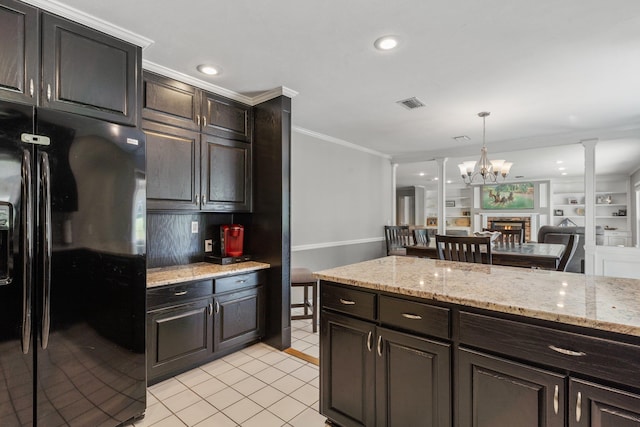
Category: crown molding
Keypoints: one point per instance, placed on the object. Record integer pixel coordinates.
(338, 141)
(91, 21)
(274, 93)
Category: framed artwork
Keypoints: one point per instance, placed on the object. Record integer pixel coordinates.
(432, 221)
(558, 212)
(450, 203)
(518, 195)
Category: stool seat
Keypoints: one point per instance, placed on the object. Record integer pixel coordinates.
(303, 277)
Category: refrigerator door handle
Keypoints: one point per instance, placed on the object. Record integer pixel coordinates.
(27, 249)
(45, 219)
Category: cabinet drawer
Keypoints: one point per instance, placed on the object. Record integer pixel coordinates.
(175, 294)
(238, 281)
(414, 316)
(350, 301)
(578, 353)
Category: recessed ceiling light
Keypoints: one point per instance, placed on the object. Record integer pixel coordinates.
(561, 169)
(563, 173)
(449, 181)
(209, 69)
(421, 174)
(559, 162)
(386, 42)
(462, 138)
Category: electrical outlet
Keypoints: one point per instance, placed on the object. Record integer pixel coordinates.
(194, 227)
(208, 245)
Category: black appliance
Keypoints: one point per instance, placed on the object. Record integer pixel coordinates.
(72, 269)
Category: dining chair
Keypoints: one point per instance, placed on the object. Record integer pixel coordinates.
(569, 251)
(397, 237)
(512, 236)
(421, 236)
(464, 249)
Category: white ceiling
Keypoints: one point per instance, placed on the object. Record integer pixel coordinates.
(550, 72)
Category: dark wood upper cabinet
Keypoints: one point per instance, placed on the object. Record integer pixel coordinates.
(88, 72)
(173, 167)
(226, 175)
(170, 102)
(226, 118)
(19, 64)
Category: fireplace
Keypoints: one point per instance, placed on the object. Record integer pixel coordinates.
(511, 223)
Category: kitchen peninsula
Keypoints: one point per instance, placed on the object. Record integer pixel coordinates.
(408, 341)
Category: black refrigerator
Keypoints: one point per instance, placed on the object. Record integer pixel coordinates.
(72, 269)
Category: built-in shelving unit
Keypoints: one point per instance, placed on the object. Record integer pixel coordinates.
(612, 201)
(458, 208)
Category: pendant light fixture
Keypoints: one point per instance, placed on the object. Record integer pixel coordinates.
(485, 169)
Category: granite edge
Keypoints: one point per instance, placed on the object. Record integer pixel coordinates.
(162, 276)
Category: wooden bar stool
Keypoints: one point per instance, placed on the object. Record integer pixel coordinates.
(303, 277)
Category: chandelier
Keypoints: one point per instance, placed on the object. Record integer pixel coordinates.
(487, 170)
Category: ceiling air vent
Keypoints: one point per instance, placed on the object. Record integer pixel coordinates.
(411, 103)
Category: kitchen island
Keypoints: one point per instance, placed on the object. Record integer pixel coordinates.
(408, 341)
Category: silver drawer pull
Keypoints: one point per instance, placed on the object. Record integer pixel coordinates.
(412, 316)
(347, 302)
(241, 281)
(180, 293)
(380, 345)
(567, 352)
(556, 399)
(369, 341)
(579, 407)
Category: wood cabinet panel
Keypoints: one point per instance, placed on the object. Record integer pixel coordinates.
(497, 392)
(179, 337)
(173, 167)
(19, 33)
(594, 405)
(350, 301)
(412, 381)
(226, 175)
(226, 118)
(347, 372)
(170, 102)
(240, 318)
(88, 72)
(414, 316)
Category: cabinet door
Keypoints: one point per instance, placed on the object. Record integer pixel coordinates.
(88, 72)
(593, 405)
(170, 102)
(412, 381)
(19, 70)
(178, 337)
(347, 376)
(226, 175)
(226, 118)
(239, 318)
(497, 392)
(173, 167)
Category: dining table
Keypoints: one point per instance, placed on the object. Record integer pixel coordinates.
(529, 255)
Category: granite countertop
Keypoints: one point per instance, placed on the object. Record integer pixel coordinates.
(198, 271)
(606, 303)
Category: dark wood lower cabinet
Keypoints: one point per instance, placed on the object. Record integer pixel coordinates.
(412, 381)
(594, 405)
(240, 318)
(498, 392)
(347, 371)
(179, 337)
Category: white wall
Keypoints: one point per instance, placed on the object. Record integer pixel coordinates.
(341, 197)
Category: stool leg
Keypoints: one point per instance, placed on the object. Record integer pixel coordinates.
(314, 298)
(306, 300)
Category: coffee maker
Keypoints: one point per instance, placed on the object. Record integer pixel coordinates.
(231, 240)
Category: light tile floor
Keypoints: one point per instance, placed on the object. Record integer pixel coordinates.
(256, 386)
(303, 338)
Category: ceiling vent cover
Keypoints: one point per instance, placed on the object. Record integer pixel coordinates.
(411, 103)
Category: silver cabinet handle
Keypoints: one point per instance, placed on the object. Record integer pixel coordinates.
(567, 352)
(556, 398)
(210, 309)
(379, 345)
(180, 293)
(48, 92)
(45, 217)
(204, 121)
(412, 316)
(217, 307)
(197, 199)
(198, 119)
(204, 199)
(370, 341)
(241, 281)
(579, 407)
(31, 88)
(347, 302)
(27, 247)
